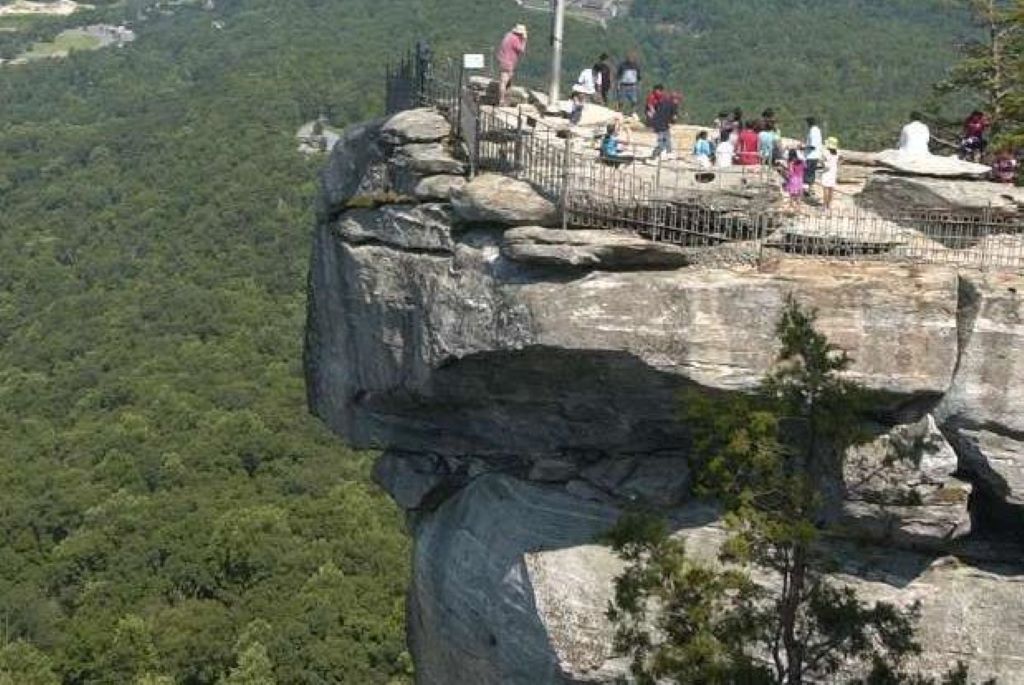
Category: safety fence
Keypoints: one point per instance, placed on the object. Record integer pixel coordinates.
(684, 203)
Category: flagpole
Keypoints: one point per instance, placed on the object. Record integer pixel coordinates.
(557, 31)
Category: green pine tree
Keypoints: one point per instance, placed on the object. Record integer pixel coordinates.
(765, 457)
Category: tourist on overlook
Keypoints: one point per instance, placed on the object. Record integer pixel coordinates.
(510, 51)
(830, 175)
(768, 143)
(718, 125)
(725, 151)
(629, 83)
(588, 83)
(973, 143)
(915, 136)
(813, 149)
(730, 125)
(603, 76)
(702, 150)
(768, 121)
(747, 146)
(612, 145)
(665, 113)
(576, 104)
(795, 173)
(1004, 168)
(653, 99)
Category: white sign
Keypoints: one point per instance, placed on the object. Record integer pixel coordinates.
(473, 61)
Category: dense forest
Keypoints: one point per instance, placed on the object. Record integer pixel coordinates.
(170, 511)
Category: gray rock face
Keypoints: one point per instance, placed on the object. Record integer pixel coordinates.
(419, 227)
(604, 250)
(509, 572)
(415, 126)
(351, 160)
(495, 199)
(437, 188)
(899, 194)
(480, 368)
(901, 488)
(428, 159)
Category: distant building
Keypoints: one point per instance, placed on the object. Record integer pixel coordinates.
(606, 9)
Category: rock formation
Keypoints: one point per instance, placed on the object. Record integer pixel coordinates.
(525, 384)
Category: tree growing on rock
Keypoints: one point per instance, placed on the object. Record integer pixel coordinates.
(767, 612)
(991, 64)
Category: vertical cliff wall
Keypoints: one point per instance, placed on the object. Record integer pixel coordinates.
(524, 384)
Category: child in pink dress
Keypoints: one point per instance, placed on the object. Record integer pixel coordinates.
(795, 179)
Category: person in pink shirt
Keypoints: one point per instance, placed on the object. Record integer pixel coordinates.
(511, 50)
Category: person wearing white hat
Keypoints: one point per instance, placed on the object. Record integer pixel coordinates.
(830, 177)
(510, 51)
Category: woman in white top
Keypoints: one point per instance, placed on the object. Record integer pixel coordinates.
(830, 177)
(725, 152)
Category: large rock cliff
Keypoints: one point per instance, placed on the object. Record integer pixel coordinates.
(525, 385)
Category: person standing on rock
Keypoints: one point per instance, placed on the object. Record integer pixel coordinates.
(629, 84)
(665, 113)
(510, 51)
(813, 149)
(603, 77)
(915, 137)
(747, 146)
(830, 176)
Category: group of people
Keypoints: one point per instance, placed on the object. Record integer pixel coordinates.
(732, 140)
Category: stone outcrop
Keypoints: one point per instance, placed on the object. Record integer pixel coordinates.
(437, 188)
(929, 165)
(415, 126)
(901, 194)
(527, 386)
(605, 250)
(496, 199)
(428, 158)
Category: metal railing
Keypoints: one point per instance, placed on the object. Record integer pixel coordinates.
(684, 203)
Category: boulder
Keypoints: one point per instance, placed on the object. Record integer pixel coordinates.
(901, 489)
(427, 159)
(352, 161)
(437, 188)
(496, 199)
(930, 165)
(409, 227)
(893, 194)
(986, 389)
(606, 250)
(415, 126)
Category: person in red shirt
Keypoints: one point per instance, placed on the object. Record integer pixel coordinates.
(746, 146)
(653, 100)
(973, 143)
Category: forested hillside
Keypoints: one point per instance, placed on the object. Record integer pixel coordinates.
(169, 510)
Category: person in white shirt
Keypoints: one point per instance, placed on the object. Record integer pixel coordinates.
(830, 176)
(724, 153)
(588, 83)
(915, 136)
(813, 149)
